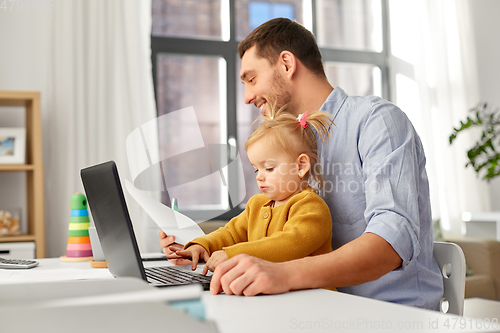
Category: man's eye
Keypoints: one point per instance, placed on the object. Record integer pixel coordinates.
(251, 80)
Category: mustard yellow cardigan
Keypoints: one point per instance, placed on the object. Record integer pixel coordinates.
(301, 227)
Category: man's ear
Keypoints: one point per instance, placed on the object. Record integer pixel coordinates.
(304, 164)
(288, 62)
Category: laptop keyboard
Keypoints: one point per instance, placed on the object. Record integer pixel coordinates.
(172, 276)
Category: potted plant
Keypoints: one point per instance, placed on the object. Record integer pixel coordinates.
(485, 154)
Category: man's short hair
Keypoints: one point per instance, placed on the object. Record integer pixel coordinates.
(281, 34)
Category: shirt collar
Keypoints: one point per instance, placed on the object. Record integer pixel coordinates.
(334, 101)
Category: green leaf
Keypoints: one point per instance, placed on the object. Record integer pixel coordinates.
(452, 137)
(483, 154)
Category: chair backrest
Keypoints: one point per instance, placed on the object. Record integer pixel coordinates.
(451, 261)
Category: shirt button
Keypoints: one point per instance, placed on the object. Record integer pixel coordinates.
(266, 215)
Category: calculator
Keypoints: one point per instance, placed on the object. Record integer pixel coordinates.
(17, 263)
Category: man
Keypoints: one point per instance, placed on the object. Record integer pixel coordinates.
(376, 186)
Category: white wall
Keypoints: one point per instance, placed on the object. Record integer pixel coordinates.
(486, 25)
(48, 51)
(22, 67)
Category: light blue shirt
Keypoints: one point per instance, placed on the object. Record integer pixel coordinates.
(374, 167)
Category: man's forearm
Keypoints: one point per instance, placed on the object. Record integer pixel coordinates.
(364, 259)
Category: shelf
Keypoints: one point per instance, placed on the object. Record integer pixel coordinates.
(35, 210)
(18, 98)
(16, 167)
(17, 238)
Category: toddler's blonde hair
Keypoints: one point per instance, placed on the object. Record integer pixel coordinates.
(284, 130)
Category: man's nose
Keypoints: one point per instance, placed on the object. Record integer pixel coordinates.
(249, 96)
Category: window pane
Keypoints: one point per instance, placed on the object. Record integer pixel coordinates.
(251, 14)
(187, 18)
(404, 29)
(350, 24)
(408, 99)
(355, 79)
(182, 82)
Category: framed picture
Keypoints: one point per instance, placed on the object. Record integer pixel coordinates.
(12, 145)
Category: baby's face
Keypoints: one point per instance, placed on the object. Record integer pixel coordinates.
(276, 171)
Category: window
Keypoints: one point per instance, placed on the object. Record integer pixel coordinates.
(262, 11)
(195, 64)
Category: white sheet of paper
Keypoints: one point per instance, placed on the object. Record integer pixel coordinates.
(172, 222)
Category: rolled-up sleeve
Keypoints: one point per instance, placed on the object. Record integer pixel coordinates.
(391, 175)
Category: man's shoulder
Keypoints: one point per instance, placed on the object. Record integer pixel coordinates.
(376, 113)
(358, 108)
(369, 105)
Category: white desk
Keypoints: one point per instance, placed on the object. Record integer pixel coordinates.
(310, 310)
(323, 310)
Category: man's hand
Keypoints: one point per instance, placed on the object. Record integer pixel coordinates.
(216, 258)
(196, 253)
(250, 276)
(170, 247)
(364, 259)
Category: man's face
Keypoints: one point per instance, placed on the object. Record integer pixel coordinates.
(263, 82)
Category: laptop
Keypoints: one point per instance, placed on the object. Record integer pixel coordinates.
(116, 234)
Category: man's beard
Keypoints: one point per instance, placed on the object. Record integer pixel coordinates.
(278, 94)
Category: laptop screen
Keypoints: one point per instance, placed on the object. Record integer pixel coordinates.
(112, 220)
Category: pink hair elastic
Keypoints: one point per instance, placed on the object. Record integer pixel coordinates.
(302, 119)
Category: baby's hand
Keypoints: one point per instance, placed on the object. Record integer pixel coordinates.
(215, 259)
(170, 247)
(195, 252)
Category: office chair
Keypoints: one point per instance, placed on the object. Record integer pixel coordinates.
(451, 261)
